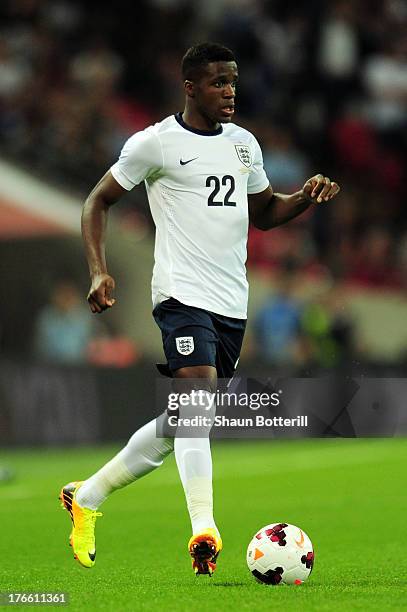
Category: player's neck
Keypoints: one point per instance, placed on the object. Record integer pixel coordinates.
(197, 121)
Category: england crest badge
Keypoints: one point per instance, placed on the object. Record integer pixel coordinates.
(185, 345)
(244, 154)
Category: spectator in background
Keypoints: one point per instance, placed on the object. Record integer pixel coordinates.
(97, 67)
(15, 73)
(283, 40)
(338, 52)
(64, 327)
(287, 243)
(66, 333)
(283, 161)
(375, 262)
(15, 79)
(339, 42)
(385, 76)
(277, 324)
(327, 330)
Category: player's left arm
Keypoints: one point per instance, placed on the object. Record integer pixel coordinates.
(268, 209)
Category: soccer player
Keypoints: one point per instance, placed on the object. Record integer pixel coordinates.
(205, 180)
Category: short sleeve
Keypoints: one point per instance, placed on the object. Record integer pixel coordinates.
(258, 180)
(140, 157)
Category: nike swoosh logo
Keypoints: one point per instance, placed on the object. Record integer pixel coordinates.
(183, 163)
(301, 542)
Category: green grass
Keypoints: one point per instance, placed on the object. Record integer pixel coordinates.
(348, 495)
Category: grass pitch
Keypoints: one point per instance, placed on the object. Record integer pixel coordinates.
(348, 495)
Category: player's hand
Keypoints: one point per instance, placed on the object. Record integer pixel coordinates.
(100, 296)
(320, 189)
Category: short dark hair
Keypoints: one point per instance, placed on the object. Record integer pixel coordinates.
(198, 56)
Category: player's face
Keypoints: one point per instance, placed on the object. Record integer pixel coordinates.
(216, 90)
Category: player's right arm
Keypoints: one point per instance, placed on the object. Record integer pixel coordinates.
(141, 157)
(94, 221)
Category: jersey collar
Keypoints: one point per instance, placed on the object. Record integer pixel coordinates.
(182, 123)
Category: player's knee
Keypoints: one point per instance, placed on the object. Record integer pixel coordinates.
(193, 415)
(196, 416)
(195, 378)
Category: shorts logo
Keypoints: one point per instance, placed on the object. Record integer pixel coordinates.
(244, 154)
(185, 345)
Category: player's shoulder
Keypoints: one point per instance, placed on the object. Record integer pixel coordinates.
(157, 128)
(150, 135)
(234, 131)
(165, 125)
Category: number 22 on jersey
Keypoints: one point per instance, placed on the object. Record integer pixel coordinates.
(214, 182)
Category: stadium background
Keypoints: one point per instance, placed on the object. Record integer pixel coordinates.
(323, 87)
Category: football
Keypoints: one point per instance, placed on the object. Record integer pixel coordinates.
(280, 554)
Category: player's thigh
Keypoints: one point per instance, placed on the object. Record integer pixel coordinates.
(189, 338)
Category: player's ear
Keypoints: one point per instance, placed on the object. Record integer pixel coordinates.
(189, 88)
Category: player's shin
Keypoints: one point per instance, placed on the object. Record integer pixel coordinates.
(194, 460)
(143, 453)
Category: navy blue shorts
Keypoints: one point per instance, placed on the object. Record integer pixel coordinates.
(193, 336)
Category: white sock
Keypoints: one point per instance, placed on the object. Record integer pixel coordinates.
(143, 453)
(194, 461)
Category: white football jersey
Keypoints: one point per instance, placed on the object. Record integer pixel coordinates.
(197, 185)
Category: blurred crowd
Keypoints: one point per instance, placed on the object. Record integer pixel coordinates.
(323, 85)
(291, 330)
(64, 332)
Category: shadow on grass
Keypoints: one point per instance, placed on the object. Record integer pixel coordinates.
(229, 584)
